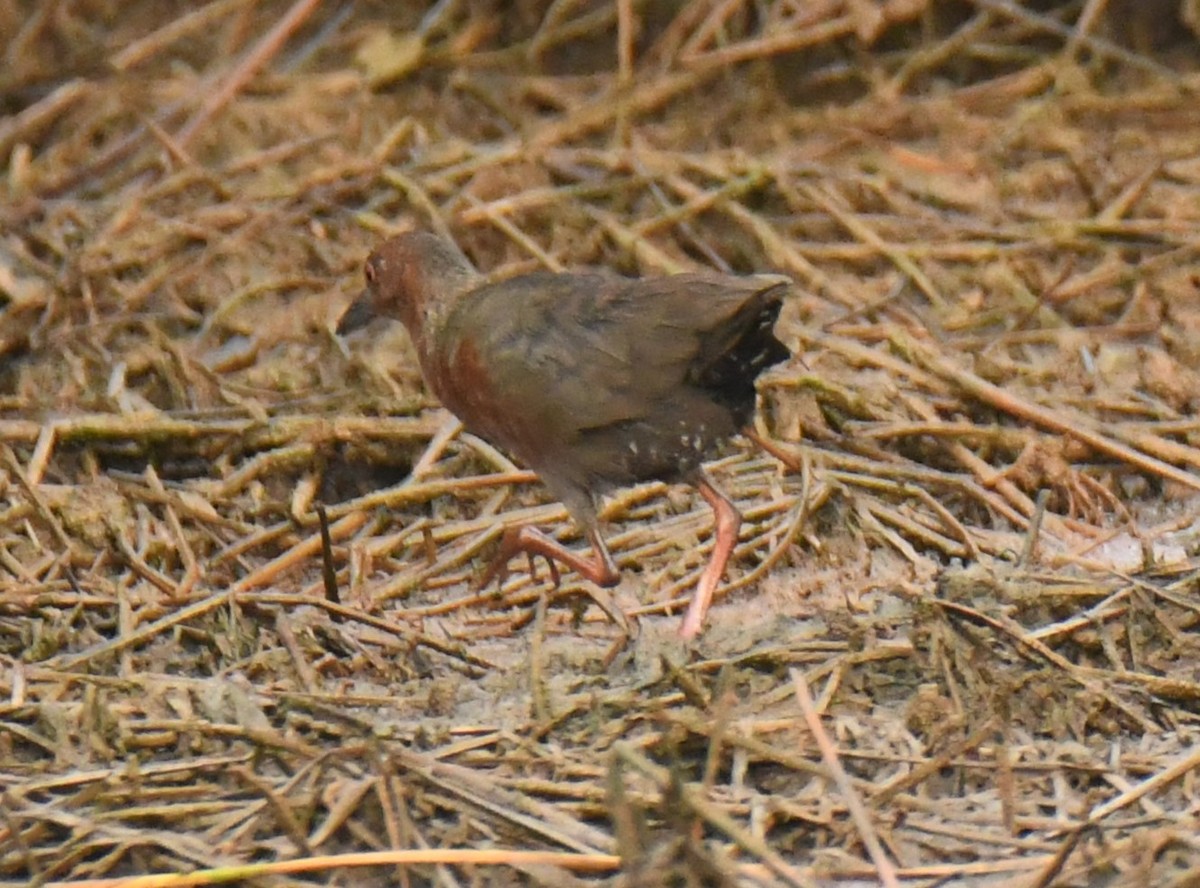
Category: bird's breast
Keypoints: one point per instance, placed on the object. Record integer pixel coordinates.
(461, 379)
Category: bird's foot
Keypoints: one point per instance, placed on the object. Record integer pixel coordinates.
(598, 569)
(513, 542)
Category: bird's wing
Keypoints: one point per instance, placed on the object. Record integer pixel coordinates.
(578, 352)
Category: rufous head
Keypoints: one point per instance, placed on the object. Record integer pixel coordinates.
(415, 278)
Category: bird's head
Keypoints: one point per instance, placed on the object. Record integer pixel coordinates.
(415, 278)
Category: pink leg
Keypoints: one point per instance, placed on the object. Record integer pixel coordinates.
(729, 520)
(599, 569)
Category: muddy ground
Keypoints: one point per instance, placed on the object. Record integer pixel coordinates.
(959, 641)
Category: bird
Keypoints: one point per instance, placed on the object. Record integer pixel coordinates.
(593, 380)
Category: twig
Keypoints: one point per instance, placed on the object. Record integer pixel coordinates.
(251, 63)
(884, 867)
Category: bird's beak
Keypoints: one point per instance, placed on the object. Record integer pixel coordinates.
(357, 316)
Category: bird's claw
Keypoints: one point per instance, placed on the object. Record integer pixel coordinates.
(512, 543)
(555, 579)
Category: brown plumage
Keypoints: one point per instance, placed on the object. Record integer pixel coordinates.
(593, 381)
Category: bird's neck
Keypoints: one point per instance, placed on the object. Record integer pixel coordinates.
(436, 301)
(432, 309)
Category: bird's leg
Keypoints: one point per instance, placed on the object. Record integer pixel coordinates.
(600, 569)
(729, 521)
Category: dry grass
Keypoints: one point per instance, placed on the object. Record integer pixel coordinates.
(960, 643)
